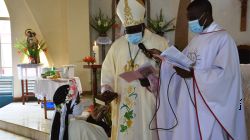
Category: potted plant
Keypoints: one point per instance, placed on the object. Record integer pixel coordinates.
(161, 26)
(102, 23)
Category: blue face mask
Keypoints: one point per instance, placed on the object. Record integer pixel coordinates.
(134, 38)
(195, 27)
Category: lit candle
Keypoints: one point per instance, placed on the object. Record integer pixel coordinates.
(96, 52)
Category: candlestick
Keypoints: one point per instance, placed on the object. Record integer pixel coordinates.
(96, 52)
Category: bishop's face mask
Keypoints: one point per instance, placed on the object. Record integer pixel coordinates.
(134, 38)
(195, 27)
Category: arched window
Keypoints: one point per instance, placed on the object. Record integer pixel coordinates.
(5, 41)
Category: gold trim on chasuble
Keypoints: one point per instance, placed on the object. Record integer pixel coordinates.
(130, 66)
(129, 19)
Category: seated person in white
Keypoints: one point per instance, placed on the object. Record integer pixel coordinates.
(67, 102)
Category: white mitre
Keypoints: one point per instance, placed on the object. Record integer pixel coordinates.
(131, 12)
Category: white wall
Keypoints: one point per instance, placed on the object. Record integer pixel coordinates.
(63, 24)
(78, 38)
(227, 13)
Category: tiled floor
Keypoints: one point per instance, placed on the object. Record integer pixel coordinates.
(30, 115)
(4, 135)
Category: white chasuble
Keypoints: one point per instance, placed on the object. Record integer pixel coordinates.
(135, 106)
(220, 110)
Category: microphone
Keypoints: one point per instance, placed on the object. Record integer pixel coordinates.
(147, 53)
(144, 50)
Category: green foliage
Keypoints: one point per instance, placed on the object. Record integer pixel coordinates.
(22, 46)
(102, 23)
(129, 115)
(123, 128)
(159, 25)
(30, 50)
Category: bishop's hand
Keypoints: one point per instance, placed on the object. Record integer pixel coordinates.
(183, 73)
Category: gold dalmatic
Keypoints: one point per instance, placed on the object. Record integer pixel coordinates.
(130, 66)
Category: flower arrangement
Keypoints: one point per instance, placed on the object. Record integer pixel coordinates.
(31, 47)
(72, 94)
(161, 26)
(72, 91)
(102, 23)
(89, 59)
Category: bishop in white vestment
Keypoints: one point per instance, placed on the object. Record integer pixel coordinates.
(135, 106)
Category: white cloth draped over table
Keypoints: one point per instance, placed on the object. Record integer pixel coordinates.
(47, 87)
(245, 74)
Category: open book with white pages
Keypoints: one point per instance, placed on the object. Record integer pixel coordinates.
(177, 58)
(142, 72)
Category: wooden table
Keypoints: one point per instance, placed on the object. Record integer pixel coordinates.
(94, 78)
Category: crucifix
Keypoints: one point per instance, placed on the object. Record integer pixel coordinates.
(243, 19)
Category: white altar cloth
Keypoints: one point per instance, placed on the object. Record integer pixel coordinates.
(47, 87)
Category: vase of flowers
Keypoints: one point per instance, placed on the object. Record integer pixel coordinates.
(102, 23)
(31, 47)
(161, 26)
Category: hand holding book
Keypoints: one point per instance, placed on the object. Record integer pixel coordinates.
(177, 58)
(183, 73)
(181, 63)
